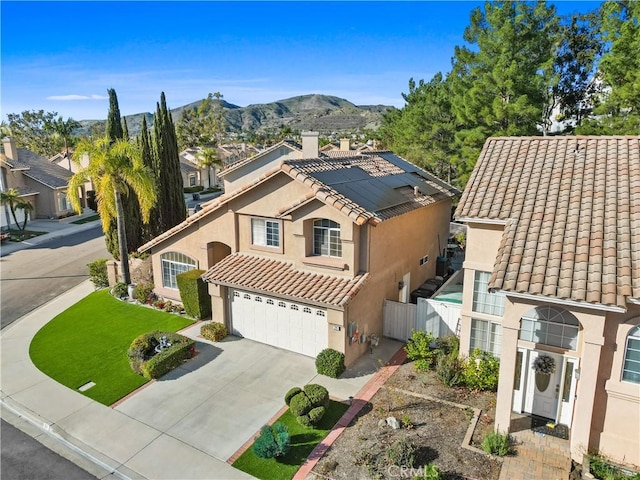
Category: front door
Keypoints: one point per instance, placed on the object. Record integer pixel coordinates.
(543, 390)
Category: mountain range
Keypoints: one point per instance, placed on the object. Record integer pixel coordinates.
(322, 113)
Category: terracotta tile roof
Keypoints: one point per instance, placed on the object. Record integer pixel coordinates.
(280, 278)
(572, 212)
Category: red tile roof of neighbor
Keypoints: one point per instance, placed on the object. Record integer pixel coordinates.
(280, 278)
(572, 212)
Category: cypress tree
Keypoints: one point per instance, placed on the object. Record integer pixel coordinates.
(131, 207)
(171, 205)
(125, 129)
(150, 230)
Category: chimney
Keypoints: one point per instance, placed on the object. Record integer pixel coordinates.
(310, 144)
(10, 149)
(345, 144)
(416, 191)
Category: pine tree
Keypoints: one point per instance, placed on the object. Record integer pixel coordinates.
(171, 205)
(130, 204)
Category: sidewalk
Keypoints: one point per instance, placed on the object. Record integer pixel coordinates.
(53, 228)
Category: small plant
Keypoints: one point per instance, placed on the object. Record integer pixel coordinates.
(214, 331)
(120, 290)
(421, 348)
(143, 292)
(330, 362)
(273, 441)
(407, 423)
(481, 370)
(602, 469)
(401, 453)
(430, 472)
(449, 370)
(98, 273)
(168, 306)
(497, 444)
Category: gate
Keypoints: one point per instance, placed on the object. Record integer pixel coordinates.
(400, 319)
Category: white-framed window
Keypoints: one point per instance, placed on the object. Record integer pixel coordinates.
(550, 326)
(174, 263)
(483, 300)
(265, 233)
(294, 307)
(320, 313)
(326, 238)
(631, 365)
(486, 335)
(282, 304)
(258, 299)
(63, 202)
(192, 180)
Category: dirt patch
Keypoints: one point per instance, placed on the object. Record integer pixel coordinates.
(436, 429)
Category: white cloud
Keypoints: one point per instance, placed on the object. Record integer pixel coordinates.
(66, 98)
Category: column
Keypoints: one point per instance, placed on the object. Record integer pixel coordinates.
(508, 352)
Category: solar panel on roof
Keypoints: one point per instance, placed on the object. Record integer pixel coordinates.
(329, 177)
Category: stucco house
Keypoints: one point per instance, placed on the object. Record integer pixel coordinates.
(300, 253)
(552, 270)
(193, 174)
(39, 181)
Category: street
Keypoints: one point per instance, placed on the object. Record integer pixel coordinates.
(31, 277)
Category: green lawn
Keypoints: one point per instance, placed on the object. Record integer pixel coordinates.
(89, 342)
(303, 441)
(92, 218)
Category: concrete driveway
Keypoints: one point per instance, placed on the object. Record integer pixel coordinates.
(217, 401)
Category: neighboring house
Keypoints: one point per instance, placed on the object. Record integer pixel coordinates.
(300, 253)
(40, 182)
(67, 162)
(552, 269)
(192, 174)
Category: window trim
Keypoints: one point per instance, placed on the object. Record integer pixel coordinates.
(333, 245)
(634, 334)
(542, 317)
(170, 260)
(484, 301)
(493, 329)
(265, 221)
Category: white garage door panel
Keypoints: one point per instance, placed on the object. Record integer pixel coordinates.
(288, 325)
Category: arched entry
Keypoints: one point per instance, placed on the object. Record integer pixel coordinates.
(545, 381)
(216, 251)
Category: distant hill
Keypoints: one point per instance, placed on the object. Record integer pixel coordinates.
(321, 113)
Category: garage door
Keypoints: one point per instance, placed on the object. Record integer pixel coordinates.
(289, 325)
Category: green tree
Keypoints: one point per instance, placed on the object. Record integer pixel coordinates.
(116, 168)
(617, 107)
(63, 130)
(208, 158)
(203, 125)
(152, 229)
(27, 208)
(171, 205)
(30, 130)
(130, 204)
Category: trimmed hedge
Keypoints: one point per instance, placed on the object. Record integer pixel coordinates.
(146, 362)
(308, 405)
(330, 362)
(194, 294)
(290, 394)
(213, 331)
(194, 189)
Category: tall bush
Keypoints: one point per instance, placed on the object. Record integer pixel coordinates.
(194, 294)
(98, 273)
(422, 348)
(481, 371)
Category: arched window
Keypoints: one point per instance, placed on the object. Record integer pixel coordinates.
(550, 326)
(174, 263)
(631, 365)
(326, 238)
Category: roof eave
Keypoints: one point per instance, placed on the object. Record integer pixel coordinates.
(487, 221)
(563, 301)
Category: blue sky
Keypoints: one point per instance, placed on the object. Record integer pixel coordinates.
(63, 56)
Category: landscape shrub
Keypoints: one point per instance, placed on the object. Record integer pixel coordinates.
(194, 189)
(602, 469)
(273, 441)
(309, 404)
(194, 294)
(497, 443)
(330, 362)
(143, 292)
(480, 371)
(120, 290)
(431, 472)
(290, 394)
(449, 345)
(422, 349)
(98, 273)
(300, 404)
(401, 453)
(214, 331)
(317, 394)
(449, 370)
(146, 362)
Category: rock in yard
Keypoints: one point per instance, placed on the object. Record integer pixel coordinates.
(393, 423)
(382, 423)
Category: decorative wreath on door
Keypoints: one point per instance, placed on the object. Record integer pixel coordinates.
(544, 364)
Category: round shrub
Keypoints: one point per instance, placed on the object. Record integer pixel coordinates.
(304, 420)
(316, 414)
(317, 394)
(214, 331)
(300, 404)
(330, 362)
(290, 394)
(143, 292)
(480, 371)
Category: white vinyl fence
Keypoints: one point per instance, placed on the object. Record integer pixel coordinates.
(439, 318)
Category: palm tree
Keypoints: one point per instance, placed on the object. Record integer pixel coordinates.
(27, 208)
(208, 158)
(63, 129)
(12, 198)
(115, 168)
